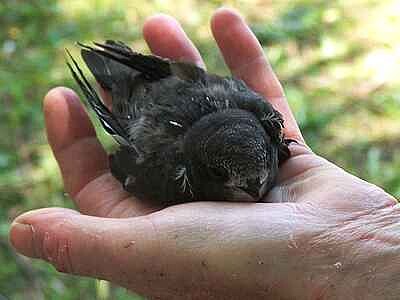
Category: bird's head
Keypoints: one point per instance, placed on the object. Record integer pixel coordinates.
(230, 155)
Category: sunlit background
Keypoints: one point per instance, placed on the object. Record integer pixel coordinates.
(339, 62)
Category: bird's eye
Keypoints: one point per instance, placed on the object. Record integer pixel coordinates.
(218, 173)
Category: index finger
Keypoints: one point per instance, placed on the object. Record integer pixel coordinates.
(246, 59)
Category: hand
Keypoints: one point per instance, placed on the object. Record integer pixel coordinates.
(323, 233)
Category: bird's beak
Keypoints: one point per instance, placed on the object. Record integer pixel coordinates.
(256, 189)
(253, 192)
(244, 194)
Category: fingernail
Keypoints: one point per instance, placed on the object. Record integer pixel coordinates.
(21, 237)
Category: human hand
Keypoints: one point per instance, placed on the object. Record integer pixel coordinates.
(317, 223)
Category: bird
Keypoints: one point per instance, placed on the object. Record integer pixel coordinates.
(184, 134)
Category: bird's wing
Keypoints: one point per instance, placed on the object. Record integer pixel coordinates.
(136, 81)
(115, 55)
(108, 73)
(130, 76)
(110, 123)
(107, 59)
(126, 75)
(187, 71)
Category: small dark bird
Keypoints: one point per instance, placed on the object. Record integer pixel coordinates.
(184, 135)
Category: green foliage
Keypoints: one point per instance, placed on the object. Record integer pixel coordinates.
(338, 61)
(304, 22)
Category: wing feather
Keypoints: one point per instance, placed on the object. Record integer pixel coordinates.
(107, 119)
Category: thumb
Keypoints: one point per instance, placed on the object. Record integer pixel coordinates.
(86, 245)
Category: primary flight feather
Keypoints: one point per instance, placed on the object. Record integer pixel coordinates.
(184, 134)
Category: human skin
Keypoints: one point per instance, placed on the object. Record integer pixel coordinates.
(321, 233)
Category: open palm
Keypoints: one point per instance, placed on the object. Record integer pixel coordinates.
(202, 249)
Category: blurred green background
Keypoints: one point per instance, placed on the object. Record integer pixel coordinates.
(338, 60)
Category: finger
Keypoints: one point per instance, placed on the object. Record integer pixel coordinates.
(166, 38)
(73, 140)
(245, 57)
